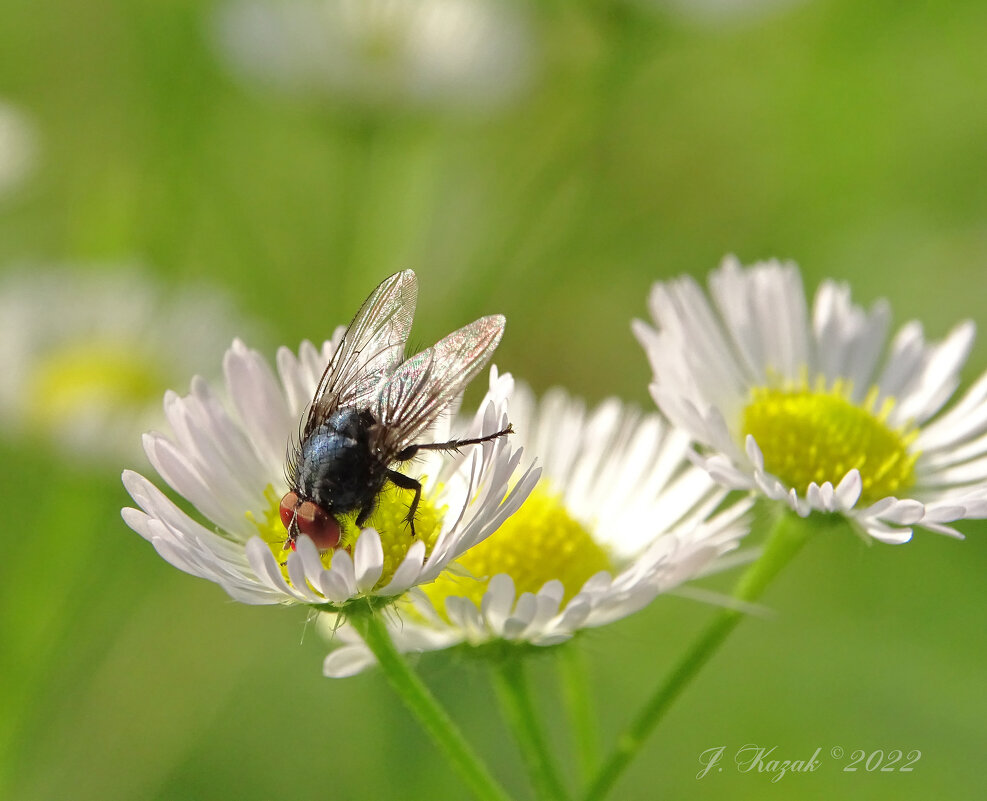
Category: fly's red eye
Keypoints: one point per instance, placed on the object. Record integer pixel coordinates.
(288, 504)
(321, 526)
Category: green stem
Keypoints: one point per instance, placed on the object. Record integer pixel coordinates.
(425, 707)
(788, 536)
(577, 692)
(514, 692)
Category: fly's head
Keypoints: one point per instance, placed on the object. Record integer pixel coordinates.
(304, 516)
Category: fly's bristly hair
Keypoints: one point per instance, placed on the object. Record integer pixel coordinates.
(293, 451)
(292, 458)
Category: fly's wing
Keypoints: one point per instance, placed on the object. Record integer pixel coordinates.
(428, 382)
(370, 350)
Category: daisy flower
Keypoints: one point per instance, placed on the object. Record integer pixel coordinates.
(381, 52)
(619, 516)
(226, 456)
(818, 410)
(86, 355)
(18, 147)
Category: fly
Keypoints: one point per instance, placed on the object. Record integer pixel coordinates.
(370, 408)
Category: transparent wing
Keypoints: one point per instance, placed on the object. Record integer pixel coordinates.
(370, 350)
(429, 381)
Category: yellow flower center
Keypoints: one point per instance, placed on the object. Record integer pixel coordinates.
(538, 543)
(819, 435)
(90, 375)
(388, 519)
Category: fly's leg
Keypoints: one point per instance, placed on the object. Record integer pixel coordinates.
(408, 483)
(451, 445)
(365, 512)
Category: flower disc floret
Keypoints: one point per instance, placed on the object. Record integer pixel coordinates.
(819, 436)
(539, 543)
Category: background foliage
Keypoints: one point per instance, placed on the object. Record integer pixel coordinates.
(849, 136)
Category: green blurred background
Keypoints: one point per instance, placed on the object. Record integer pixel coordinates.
(849, 136)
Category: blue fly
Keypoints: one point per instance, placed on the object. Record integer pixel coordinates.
(370, 408)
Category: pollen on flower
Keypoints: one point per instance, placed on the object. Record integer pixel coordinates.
(388, 519)
(817, 434)
(90, 373)
(538, 543)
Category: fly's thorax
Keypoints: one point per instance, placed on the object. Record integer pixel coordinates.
(337, 467)
(351, 422)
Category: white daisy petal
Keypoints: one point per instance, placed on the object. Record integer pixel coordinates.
(368, 560)
(884, 533)
(335, 586)
(266, 568)
(310, 560)
(408, 571)
(941, 455)
(346, 661)
(576, 612)
(345, 572)
(548, 599)
(498, 601)
(524, 613)
(171, 464)
(297, 574)
(844, 421)
(820, 497)
(754, 454)
(904, 513)
(940, 376)
(724, 472)
(848, 490)
(966, 420)
(259, 401)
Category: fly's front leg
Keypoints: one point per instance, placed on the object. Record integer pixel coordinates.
(408, 483)
(365, 513)
(451, 445)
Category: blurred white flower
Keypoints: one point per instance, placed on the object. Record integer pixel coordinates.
(228, 460)
(18, 147)
(809, 410)
(620, 515)
(455, 53)
(85, 356)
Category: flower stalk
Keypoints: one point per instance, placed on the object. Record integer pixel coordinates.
(516, 701)
(424, 706)
(577, 691)
(786, 539)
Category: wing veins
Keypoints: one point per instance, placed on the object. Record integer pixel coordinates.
(380, 329)
(424, 385)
